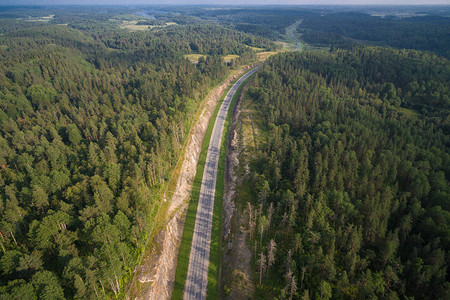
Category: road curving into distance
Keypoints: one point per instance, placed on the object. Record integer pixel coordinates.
(197, 276)
(291, 34)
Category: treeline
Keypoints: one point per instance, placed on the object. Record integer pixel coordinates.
(11, 25)
(325, 39)
(91, 123)
(406, 78)
(428, 33)
(173, 40)
(350, 191)
(334, 26)
(257, 29)
(270, 23)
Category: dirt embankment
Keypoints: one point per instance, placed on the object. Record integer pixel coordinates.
(237, 280)
(158, 269)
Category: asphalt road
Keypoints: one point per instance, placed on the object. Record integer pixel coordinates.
(197, 276)
(291, 33)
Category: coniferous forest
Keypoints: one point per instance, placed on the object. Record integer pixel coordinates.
(92, 120)
(348, 188)
(350, 185)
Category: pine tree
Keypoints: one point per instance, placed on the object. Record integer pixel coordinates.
(261, 266)
(271, 249)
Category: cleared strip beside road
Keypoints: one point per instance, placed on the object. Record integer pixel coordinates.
(197, 276)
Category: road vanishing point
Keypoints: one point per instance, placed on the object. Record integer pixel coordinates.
(197, 276)
(291, 33)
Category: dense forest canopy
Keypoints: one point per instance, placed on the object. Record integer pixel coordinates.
(266, 22)
(421, 28)
(92, 120)
(429, 33)
(351, 183)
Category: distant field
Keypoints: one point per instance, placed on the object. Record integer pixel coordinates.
(193, 58)
(265, 55)
(284, 46)
(281, 47)
(407, 111)
(41, 19)
(132, 25)
(229, 57)
(256, 49)
(309, 47)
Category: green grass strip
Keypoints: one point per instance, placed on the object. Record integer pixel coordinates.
(215, 254)
(188, 230)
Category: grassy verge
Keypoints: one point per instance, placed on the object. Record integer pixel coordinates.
(216, 233)
(188, 230)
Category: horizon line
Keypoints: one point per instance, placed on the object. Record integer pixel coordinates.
(215, 5)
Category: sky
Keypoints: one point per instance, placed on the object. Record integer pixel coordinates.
(226, 2)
